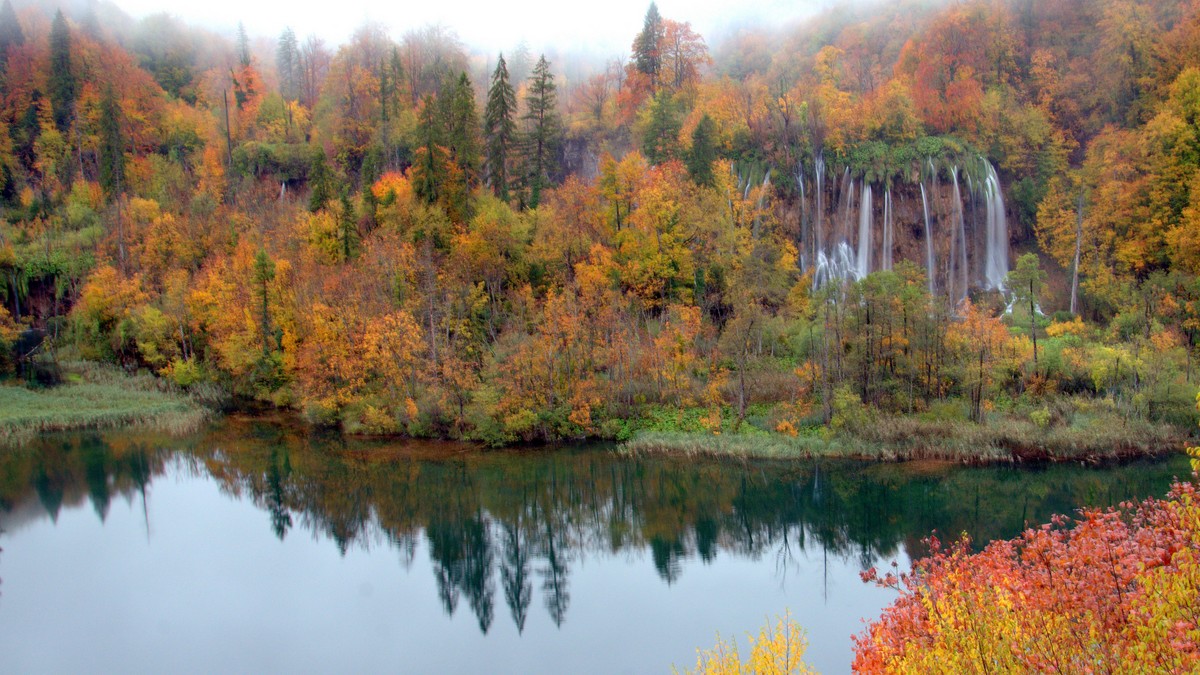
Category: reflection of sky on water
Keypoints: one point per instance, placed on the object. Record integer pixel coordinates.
(259, 548)
(211, 589)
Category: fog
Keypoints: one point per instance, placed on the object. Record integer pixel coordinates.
(601, 28)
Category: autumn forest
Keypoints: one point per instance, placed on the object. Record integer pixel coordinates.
(914, 213)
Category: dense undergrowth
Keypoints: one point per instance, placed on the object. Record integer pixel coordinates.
(1106, 591)
(390, 240)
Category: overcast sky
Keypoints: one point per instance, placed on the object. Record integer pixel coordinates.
(606, 26)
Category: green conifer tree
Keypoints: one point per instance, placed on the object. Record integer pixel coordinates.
(112, 145)
(11, 34)
(62, 79)
(499, 129)
(703, 152)
(543, 131)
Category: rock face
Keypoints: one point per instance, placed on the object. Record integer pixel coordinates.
(949, 220)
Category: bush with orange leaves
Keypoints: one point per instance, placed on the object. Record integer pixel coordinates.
(1111, 591)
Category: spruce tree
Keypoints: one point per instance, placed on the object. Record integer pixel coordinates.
(243, 45)
(543, 130)
(397, 76)
(263, 275)
(371, 168)
(347, 228)
(321, 182)
(428, 174)
(11, 34)
(62, 80)
(646, 55)
(703, 153)
(112, 145)
(661, 140)
(385, 93)
(462, 128)
(287, 63)
(499, 129)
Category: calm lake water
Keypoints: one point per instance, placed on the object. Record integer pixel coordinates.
(256, 547)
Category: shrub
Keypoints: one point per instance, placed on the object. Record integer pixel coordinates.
(778, 649)
(1114, 591)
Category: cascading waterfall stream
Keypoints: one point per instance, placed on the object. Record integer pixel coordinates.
(996, 247)
(886, 253)
(974, 241)
(837, 267)
(819, 177)
(959, 243)
(928, 240)
(864, 232)
(803, 219)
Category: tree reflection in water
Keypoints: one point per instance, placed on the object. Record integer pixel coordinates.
(528, 516)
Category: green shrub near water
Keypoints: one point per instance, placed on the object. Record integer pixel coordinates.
(1092, 433)
(94, 397)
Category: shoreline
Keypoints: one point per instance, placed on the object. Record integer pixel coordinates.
(99, 397)
(980, 446)
(94, 397)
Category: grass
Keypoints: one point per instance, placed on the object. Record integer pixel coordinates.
(1096, 437)
(96, 397)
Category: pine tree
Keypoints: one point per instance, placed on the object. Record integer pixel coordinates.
(62, 80)
(369, 174)
(347, 228)
(397, 76)
(263, 275)
(112, 145)
(661, 141)
(243, 45)
(429, 171)
(543, 129)
(287, 63)
(11, 34)
(385, 93)
(704, 151)
(321, 182)
(647, 57)
(462, 128)
(499, 129)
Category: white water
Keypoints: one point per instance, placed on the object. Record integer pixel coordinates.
(928, 240)
(864, 231)
(819, 175)
(837, 267)
(845, 206)
(959, 242)
(803, 219)
(996, 252)
(888, 243)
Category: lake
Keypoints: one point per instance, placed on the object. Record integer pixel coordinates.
(256, 546)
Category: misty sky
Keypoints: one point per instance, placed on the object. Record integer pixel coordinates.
(605, 25)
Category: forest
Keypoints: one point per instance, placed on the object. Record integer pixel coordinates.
(977, 214)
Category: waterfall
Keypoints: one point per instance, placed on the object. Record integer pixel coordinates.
(839, 266)
(803, 213)
(864, 231)
(996, 267)
(959, 240)
(762, 196)
(845, 196)
(819, 176)
(928, 240)
(885, 262)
